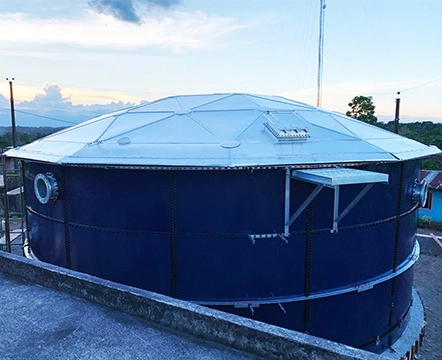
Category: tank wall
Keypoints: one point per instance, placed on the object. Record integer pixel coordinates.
(118, 199)
(46, 228)
(186, 234)
(236, 269)
(229, 202)
(139, 260)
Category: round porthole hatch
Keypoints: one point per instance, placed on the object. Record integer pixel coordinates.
(419, 193)
(45, 187)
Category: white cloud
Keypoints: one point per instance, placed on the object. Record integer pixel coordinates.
(180, 31)
(94, 97)
(53, 107)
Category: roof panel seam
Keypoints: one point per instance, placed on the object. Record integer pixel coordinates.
(211, 102)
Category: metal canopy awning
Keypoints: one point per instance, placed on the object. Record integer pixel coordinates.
(333, 178)
(339, 176)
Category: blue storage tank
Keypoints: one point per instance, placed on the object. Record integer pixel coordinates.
(259, 206)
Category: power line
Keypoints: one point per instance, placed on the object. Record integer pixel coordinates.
(44, 117)
(47, 117)
(60, 107)
(424, 84)
(385, 40)
(307, 40)
(96, 89)
(357, 42)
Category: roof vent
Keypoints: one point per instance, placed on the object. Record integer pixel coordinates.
(230, 144)
(287, 133)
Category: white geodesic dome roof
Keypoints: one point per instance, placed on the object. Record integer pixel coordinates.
(223, 130)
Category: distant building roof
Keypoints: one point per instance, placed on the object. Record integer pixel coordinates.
(223, 130)
(433, 178)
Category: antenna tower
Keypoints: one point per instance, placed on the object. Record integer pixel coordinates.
(320, 52)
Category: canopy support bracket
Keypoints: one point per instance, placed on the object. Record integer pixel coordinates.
(333, 178)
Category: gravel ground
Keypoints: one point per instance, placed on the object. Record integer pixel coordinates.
(428, 283)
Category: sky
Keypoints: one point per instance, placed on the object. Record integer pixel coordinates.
(74, 60)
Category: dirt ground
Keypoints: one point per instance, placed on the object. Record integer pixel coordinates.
(428, 283)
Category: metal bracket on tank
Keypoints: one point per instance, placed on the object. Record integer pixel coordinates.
(253, 237)
(247, 304)
(280, 305)
(378, 341)
(338, 217)
(332, 178)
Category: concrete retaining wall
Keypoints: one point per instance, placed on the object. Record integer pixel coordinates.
(267, 341)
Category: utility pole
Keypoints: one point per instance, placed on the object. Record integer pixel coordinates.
(320, 52)
(396, 116)
(5, 179)
(14, 135)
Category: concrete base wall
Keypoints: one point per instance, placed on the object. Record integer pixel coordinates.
(267, 341)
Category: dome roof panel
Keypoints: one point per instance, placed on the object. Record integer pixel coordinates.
(164, 105)
(362, 129)
(50, 150)
(226, 127)
(403, 148)
(289, 120)
(277, 102)
(176, 129)
(228, 103)
(308, 152)
(86, 132)
(194, 101)
(325, 120)
(110, 152)
(132, 121)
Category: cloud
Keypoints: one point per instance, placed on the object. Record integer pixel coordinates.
(3, 101)
(52, 108)
(52, 95)
(122, 9)
(177, 32)
(125, 10)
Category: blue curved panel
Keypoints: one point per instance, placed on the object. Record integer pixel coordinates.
(47, 240)
(118, 199)
(140, 261)
(230, 202)
(348, 257)
(223, 268)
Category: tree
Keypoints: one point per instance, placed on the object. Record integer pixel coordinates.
(432, 163)
(362, 108)
(25, 136)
